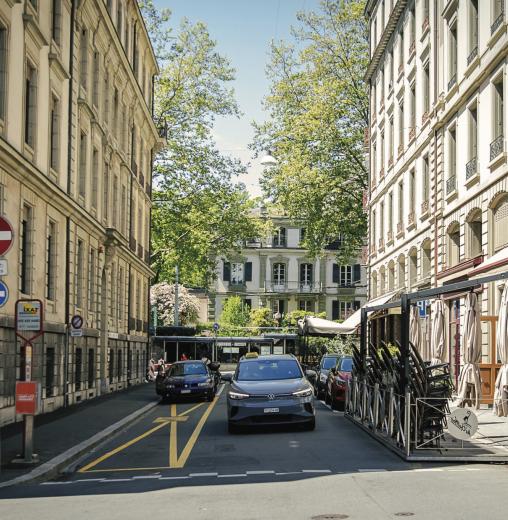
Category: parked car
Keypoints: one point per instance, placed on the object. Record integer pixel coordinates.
(270, 390)
(327, 361)
(338, 377)
(188, 379)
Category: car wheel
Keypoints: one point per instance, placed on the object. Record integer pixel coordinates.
(310, 426)
(327, 397)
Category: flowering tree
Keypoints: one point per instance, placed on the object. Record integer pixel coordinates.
(163, 296)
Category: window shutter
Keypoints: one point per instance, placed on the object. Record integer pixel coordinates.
(356, 305)
(248, 271)
(356, 274)
(336, 273)
(335, 309)
(226, 272)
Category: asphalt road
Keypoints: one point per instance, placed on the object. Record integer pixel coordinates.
(180, 459)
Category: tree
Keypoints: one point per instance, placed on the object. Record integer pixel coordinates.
(162, 295)
(262, 317)
(318, 106)
(199, 211)
(234, 313)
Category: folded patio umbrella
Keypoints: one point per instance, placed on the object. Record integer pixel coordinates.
(469, 387)
(437, 337)
(415, 330)
(501, 387)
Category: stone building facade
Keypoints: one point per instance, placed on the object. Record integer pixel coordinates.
(276, 272)
(438, 171)
(76, 145)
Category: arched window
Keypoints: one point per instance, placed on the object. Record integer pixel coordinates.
(413, 267)
(426, 258)
(401, 275)
(391, 276)
(373, 285)
(453, 245)
(474, 234)
(501, 224)
(382, 281)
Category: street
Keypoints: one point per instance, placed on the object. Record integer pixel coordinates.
(180, 459)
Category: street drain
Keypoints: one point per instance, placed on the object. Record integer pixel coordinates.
(405, 513)
(330, 516)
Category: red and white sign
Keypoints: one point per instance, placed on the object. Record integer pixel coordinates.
(27, 397)
(6, 236)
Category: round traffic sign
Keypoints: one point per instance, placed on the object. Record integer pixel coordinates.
(6, 235)
(77, 321)
(215, 326)
(462, 424)
(4, 294)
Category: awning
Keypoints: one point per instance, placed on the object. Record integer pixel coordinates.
(499, 259)
(319, 327)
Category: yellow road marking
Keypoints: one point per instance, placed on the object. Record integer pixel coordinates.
(121, 448)
(109, 470)
(173, 454)
(195, 434)
(167, 420)
(190, 410)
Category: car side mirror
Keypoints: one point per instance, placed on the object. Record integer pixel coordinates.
(311, 375)
(226, 377)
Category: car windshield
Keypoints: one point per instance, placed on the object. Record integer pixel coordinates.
(328, 362)
(346, 365)
(188, 369)
(268, 370)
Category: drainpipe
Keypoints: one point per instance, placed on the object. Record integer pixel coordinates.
(68, 219)
(436, 38)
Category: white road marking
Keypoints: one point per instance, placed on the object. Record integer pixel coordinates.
(370, 470)
(141, 477)
(203, 475)
(233, 475)
(316, 470)
(117, 480)
(268, 472)
(174, 478)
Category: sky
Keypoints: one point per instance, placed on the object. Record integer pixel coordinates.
(243, 30)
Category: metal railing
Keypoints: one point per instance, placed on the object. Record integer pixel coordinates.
(471, 168)
(496, 147)
(452, 81)
(451, 184)
(472, 55)
(497, 23)
(285, 286)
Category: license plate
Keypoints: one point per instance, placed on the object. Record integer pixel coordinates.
(185, 391)
(271, 410)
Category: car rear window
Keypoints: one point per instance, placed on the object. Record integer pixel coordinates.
(328, 362)
(268, 370)
(188, 369)
(346, 365)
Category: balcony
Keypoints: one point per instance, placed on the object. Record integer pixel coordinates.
(237, 286)
(412, 134)
(425, 207)
(283, 286)
(496, 147)
(471, 168)
(425, 24)
(472, 55)
(381, 246)
(451, 184)
(452, 82)
(497, 23)
(412, 49)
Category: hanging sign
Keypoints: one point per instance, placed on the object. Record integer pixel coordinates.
(29, 319)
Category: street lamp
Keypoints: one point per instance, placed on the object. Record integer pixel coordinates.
(268, 160)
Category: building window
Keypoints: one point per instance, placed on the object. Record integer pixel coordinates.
(473, 30)
(345, 275)
(391, 277)
(390, 212)
(401, 127)
(279, 274)
(501, 225)
(373, 221)
(413, 268)
(115, 112)
(306, 275)
(303, 232)
(401, 49)
(474, 227)
(51, 261)
(381, 220)
(96, 79)
(115, 202)
(78, 368)
(49, 380)
(3, 70)
(346, 309)
(82, 164)
(473, 136)
(373, 285)
(451, 182)
(111, 365)
(56, 20)
(426, 179)
(426, 89)
(306, 305)
(426, 259)
(123, 211)
(105, 97)
(374, 161)
(452, 56)
(91, 279)
(453, 254)
(498, 109)
(91, 368)
(30, 105)
(382, 158)
(390, 142)
(402, 272)
(401, 204)
(83, 62)
(237, 273)
(412, 190)
(26, 242)
(412, 106)
(95, 177)
(105, 193)
(113, 294)
(120, 298)
(79, 274)
(54, 133)
(279, 238)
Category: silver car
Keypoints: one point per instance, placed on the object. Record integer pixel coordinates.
(270, 390)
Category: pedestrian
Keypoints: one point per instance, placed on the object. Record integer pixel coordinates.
(183, 357)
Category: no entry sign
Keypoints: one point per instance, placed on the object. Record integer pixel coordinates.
(6, 236)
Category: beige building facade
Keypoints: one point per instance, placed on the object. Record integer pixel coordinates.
(76, 145)
(438, 170)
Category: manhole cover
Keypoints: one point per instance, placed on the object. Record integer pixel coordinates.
(405, 513)
(330, 516)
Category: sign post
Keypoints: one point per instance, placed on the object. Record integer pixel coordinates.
(29, 326)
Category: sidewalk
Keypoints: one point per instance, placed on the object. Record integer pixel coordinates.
(62, 436)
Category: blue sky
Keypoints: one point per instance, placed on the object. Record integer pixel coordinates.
(243, 30)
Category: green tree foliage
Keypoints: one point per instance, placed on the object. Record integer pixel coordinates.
(234, 313)
(318, 106)
(199, 210)
(262, 317)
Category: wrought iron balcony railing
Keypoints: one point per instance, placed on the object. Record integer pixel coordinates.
(496, 147)
(451, 184)
(497, 23)
(292, 287)
(452, 81)
(472, 55)
(471, 168)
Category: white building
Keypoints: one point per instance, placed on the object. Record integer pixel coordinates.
(76, 142)
(277, 273)
(438, 171)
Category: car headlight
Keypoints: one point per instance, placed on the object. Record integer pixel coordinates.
(237, 395)
(170, 386)
(206, 383)
(322, 378)
(306, 392)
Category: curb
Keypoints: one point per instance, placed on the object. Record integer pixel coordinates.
(52, 467)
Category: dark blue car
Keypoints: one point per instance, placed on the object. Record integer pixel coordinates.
(189, 379)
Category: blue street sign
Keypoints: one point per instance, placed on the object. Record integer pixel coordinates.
(216, 326)
(4, 294)
(422, 306)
